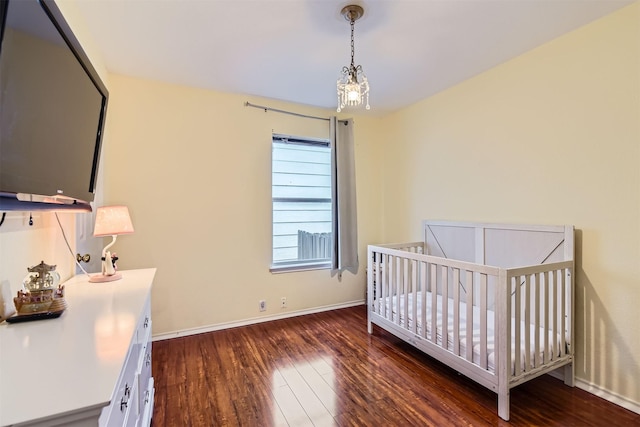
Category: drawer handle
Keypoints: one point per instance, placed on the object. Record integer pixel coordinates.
(148, 359)
(127, 390)
(146, 397)
(123, 404)
(146, 322)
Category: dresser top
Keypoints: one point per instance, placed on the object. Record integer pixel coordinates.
(58, 366)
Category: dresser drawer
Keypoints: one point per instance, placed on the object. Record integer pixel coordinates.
(123, 401)
(144, 325)
(131, 418)
(146, 404)
(143, 329)
(144, 368)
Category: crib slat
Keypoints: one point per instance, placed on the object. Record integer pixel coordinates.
(384, 291)
(563, 314)
(376, 280)
(408, 284)
(414, 291)
(483, 321)
(382, 285)
(371, 282)
(445, 307)
(389, 274)
(434, 303)
(554, 297)
(536, 330)
(385, 286)
(545, 293)
(527, 323)
(392, 286)
(469, 300)
(517, 325)
(456, 311)
(404, 274)
(376, 284)
(398, 288)
(423, 287)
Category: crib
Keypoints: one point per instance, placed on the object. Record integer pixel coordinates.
(492, 301)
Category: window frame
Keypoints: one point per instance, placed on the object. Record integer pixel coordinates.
(297, 265)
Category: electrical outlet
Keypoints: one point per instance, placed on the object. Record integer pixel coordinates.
(283, 302)
(262, 304)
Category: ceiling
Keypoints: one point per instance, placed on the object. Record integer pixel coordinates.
(293, 50)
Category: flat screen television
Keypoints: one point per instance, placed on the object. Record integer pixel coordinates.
(52, 111)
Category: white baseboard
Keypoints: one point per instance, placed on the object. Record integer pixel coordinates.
(601, 392)
(254, 320)
(608, 395)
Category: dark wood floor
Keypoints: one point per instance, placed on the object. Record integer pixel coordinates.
(324, 369)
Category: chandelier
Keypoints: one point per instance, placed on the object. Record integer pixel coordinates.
(353, 87)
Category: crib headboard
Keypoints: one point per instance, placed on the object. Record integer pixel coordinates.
(499, 245)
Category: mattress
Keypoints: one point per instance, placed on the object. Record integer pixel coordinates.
(392, 306)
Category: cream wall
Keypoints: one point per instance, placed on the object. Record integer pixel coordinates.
(551, 137)
(194, 168)
(23, 246)
(83, 34)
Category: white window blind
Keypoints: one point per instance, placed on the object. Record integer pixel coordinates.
(302, 202)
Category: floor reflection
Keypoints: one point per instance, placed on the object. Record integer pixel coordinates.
(305, 393)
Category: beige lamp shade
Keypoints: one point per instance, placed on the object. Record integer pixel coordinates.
(112, 221)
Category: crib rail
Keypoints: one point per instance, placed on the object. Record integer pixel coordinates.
(507, 322)
(541, 296)
(423, 294)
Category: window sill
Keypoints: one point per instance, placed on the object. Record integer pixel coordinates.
(300, 266)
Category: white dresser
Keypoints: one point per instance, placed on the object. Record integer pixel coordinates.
(89, 367)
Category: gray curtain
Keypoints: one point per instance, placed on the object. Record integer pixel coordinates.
(343, 183)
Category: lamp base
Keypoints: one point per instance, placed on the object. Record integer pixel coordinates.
(100, 278)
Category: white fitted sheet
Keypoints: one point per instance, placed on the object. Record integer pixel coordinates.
(392, 306)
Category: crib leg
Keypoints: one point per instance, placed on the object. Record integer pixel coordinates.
(503, 405)
(569, 375)
(369, 327)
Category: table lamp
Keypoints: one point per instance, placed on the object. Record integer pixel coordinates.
(110, 221)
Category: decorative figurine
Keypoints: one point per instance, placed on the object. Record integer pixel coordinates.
(109, 268)
(41, 294)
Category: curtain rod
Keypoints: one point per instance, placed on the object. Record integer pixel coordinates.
(248, 104)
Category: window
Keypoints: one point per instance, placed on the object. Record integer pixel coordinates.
(301, 202)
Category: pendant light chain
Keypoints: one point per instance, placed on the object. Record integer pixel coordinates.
(352, 43)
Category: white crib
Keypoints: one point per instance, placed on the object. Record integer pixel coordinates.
(493, 301)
